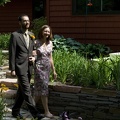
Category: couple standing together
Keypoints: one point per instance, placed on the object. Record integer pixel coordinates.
(23, 52)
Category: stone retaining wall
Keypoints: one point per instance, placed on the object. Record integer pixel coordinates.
(90, 104)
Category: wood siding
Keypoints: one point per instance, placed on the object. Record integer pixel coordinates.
(102, 29)
(10, 12)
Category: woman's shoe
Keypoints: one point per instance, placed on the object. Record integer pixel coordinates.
(49, 116)
(79, 118)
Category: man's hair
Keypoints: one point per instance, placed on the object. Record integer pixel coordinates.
(20, 17)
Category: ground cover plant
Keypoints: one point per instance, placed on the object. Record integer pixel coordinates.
(74, 69)
(74, 65)
(4, 41)
(2, 100)
(87, 50)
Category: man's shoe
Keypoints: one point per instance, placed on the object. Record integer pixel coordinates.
(17, 115)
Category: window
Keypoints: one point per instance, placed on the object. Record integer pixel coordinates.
(38, 8)
(82, 7)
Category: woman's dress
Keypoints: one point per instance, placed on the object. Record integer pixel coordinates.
(42, 68)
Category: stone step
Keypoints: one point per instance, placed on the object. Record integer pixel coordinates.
(2, 74)
(8, 93)
(9, 82)
(5, 51)
(5, 74)
(4, 67)
(8, 74)
(27, 116)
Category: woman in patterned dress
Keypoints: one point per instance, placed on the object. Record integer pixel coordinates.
(43, 64)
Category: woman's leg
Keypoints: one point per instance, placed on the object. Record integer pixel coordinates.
(45, 106)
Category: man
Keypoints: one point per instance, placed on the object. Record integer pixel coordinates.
(20, 63)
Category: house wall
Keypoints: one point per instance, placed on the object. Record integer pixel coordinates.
(10, 12)
(103, 29)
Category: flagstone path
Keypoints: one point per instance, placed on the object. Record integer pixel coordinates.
(9, 97)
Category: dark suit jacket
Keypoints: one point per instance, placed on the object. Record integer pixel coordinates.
(19, 53)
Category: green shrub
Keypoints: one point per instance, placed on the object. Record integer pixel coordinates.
(37, 23)
(4, 41)
(3, 2)
(65, 64)
(67, 44)
(1, 108)
(2, 100)
(74, 69)
(94, 50)
(1, 58)
(87, 50)
(114, 66)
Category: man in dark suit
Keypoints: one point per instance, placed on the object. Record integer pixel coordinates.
(20, 63)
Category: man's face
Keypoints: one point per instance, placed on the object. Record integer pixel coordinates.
(25, 22)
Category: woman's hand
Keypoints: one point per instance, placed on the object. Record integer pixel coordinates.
(55, 75)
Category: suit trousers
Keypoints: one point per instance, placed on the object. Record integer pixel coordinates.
(24, 93)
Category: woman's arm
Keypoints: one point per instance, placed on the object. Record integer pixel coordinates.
(52, 66)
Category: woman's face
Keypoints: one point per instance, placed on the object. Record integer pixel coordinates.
(46, 33)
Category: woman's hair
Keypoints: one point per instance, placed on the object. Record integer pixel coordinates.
(40, 34)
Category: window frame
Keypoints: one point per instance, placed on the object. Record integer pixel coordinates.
(75, 11)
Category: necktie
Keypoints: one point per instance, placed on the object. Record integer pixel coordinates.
(26, 36)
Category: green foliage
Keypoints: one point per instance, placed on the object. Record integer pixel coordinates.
(65, 63)
(74, 69)
(37, 23)
(94, 50)
(2, 100)
(75, 65)
(67, 44)
(1, 108)
(3, 2)
(4, 44)
(4, 41)
(115, 70)
(100, 73)
(87, 50)
(1, 58)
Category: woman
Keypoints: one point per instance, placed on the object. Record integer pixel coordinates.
(44, 62)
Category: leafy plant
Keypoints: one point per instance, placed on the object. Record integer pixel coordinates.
(67, 44)
(101, 73)
(4, 41)
(2, 100)
(87, 50)
(37, 23)
(3, 2)
(115, 70)
(74, 69)
(1, 108)
(1, 58)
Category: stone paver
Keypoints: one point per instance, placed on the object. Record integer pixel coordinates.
(26, 115)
